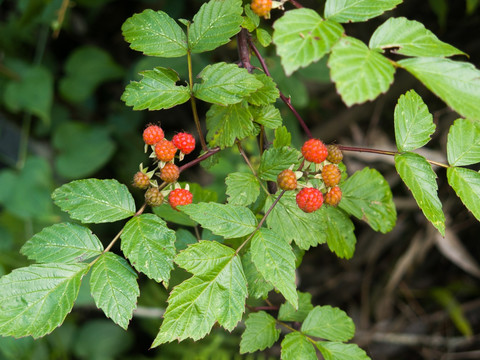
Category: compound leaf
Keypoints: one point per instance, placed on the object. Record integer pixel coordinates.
(260, 332)
(150, 246)
(275, 260)
(357, 10)
(242, 188)
(62, 243)
(288, 313)
(95, 201)
(463, 144)
(332, 350)
(216, 292)
(156, 91)
(114, 288)
(35, 300)
(275, 160)
(328, 323)
(367, 196)
(223, 219)
(411, 38)
(296, 346)
(303, 37)
(225, 84)
(455, 82)
(214, 24)
(155, 34)
(360, 74)
(466, 184)
(420, 178)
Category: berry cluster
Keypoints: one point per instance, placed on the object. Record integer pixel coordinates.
(325, 160)
(164, 151)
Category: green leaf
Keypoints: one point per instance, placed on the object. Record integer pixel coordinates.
(463, 144)
(95, 201)
(214, 24)
(150, 246)
(33, 93)
(296, 346)
(254, 18)
(413, 123)
(411, 38)
(267, 115)
(156, 91)
(286, 218)
(455, 82)
(183, 239)
(275, 160)
(155, 34)
(86, 68)
(420, 178)
(242, 188)
(62, 243)
(303, 37)
(114, 287)
(360, 74)
(257, 286)
(282, 137)
(339, 231)
(340, 351)
(225, 84)
(263, 37)
(357, 10)
(260, 332)
(367, 196)
(82, 149)
(265, 95)
(223, 219)
(275, 260)
(466, 184)
(288, 313)
(225, 124)
(216, 292)
(35, 300)
(328, 323)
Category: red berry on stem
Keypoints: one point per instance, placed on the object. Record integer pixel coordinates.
(169, 173)
(334, 196)
(165, 150)
(309, 199)
(152, 134)
(153, 197)
(331, 175)
(315, 151)
(261, 7)
(179, 197)
(287, 180)
(141, 180)
(185, 142)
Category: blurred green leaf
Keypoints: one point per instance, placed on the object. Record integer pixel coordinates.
(466, 184)
(445, 298)
(339, 351)
(296, 346)
(260, 332)
(242, 188)
(471, 6)
(357, 10)
(463, 144)
(263, 37)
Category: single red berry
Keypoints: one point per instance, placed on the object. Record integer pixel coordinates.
(334, 196)
(153, 197)
(169, 173)
(165, 150)
(152, 134)
(141, 180)
(309, 199)
(331, 175)
(185, 142)
(287, 180)
(261, 7)
(335, 155)
(179, 197)
(315, 151)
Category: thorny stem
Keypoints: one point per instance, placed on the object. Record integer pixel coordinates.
(282, 96)
(384, 152)
(245, 157)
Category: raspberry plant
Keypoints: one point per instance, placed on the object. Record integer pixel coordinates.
(258, 236)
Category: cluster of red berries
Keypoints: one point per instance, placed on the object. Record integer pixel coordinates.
(309, 198)
(165, 151)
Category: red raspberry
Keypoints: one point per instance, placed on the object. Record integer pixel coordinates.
(179, 197)
(169, 173)
(185, 142)
(261, 7)
(331, 175)
(152, 134)
(153, 197)
(315, 151)
(165, 150)
(287, 180)
(309, 199)
(141, 180)
(335, 155)
(334, 196)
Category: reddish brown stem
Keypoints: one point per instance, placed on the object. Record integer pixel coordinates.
(296, 4)
(209, 153)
